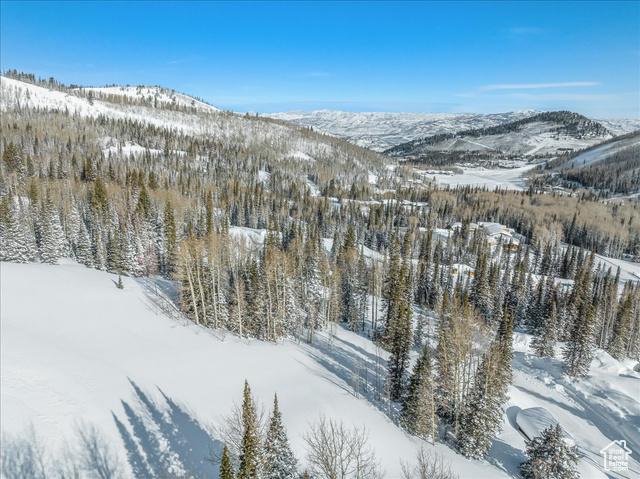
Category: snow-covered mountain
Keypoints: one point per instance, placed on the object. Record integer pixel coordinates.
(548, 133)
(165, 109)
(170, 110)
(148, 95)
(621, 126)
(381, 131)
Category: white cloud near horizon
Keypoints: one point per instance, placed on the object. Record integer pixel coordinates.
(527, 86)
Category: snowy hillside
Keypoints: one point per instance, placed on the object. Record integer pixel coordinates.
(544, 134)
(14, 93)
(380, 131)
(621, 126)
(177, 113)
(78, 351)
(155, 95)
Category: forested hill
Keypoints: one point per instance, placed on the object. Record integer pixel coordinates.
(539, 134)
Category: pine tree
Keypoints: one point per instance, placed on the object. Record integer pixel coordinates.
(579, 347)
(278, 459)
(418, 411)
(550, 457)
(399, 333)
(16, 239)
(120, 285)
(481, 294)
(53, 243)
(544, 341)
(250, 451)
(482, 417)
(621, 331)
(12, 160)
(171, 238)
(226, 468)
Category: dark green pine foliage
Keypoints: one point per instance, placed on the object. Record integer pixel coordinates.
(278, 459)
(550, 457)
(53, 243)
(481, 296)
(621, 332)
(418, 410)
(226, 468)
(12, 160)
(171, 246)
(482, 417)
(347, 263)
(120, 285)
(579, 347)
(390, 293)
(250, 450)
(543, 343)
(399, 333)
(423, 280)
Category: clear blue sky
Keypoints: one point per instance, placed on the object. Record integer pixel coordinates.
(357, 56)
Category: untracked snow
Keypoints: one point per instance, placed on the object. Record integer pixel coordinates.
(503, 178)
(76, 350)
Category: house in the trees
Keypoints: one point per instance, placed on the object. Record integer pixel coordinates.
(460, 270)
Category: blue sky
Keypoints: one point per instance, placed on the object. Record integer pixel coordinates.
(357, 56)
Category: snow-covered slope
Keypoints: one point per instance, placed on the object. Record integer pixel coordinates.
(14, 93)
(600, 153)
(380, 131)
(621, 126)
(151, 95)
(77, 350)
(548, 133)
(504, 179)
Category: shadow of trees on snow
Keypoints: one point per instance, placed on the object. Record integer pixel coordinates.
(162, 439)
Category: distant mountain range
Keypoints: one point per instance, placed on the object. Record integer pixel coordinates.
(547, 133)
(382, 131)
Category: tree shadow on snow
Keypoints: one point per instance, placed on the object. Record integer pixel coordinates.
(506, 457)
(164, 440)
(162, 296)
(353, 369)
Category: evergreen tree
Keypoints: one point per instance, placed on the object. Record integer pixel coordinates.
(579, 347)
(399, 333)
(550, 457)
(621, 331)
(52, 245)
(250, 456)
(482, 417)
(544, 341)
(12, 160)
(278, 459)
(171, 239)
(423, 280)
(418, 409)
(226, 468)
(16, 239)
(481, 295)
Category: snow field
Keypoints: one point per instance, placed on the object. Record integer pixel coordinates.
(76, 350)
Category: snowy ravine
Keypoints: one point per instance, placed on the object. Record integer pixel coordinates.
(76, 351)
